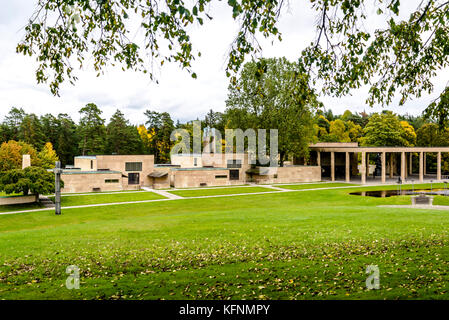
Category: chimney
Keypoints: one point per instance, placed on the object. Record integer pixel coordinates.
(26, 161)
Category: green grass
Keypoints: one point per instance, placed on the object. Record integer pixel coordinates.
(101, 192)
(3, 194)
(211, 187)
(67, 201)
(219, 191)
(314, 185)
(20, 207)
(293, 245)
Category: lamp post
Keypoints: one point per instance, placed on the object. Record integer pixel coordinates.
(431, 185)
(57, 172)
(413, 186)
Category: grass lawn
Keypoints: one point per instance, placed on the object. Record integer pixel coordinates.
(20, 207)
(101, 192)
(67, 201)
(219, 191)
(293, 245)
(314, 185)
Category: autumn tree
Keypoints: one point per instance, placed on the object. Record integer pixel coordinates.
(385, 129)
(47, 156)
(431, 135)
(11, 154)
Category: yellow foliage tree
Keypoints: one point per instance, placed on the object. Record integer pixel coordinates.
(409, 133)
(47, 156)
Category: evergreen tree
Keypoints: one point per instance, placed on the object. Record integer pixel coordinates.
(12, 123)
(31, 131)
(121, 137)
(92, 130)
(68, 140)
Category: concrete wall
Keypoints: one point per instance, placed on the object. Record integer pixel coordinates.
(187, 161)
(195, 178)
(118, 163)
(162, 182)
(86, 182)
(290, 175)
(18, 200)
(220, 160)
(85, 163)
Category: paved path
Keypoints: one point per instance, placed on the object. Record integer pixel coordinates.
(270, 186)
(416, 207)
(163, 193)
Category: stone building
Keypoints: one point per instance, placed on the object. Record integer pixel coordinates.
(130, 172)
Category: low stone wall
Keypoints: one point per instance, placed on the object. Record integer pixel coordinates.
(291, 174)
(18, 199)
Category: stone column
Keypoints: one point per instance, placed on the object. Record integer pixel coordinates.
(406, 166)
(332, 166)
(421, 166)
(391, 165)
(367, 164)
(26, 161)
(410, 168)
(403, 169)
(384, 169)
(425, 164)
(57, 172)
(347, 170)
(363, 168)
(439, 166)
(318, 158)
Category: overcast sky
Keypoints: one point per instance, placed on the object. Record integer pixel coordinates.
(177, 93)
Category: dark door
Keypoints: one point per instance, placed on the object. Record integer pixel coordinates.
(133, 178)
(233, 174)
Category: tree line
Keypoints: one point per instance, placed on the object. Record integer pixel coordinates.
(269, 94)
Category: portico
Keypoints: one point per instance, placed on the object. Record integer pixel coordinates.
(388, 160)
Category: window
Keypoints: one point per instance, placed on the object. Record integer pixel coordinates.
(233, 175)
(111, 181)
(234, 163)
(91, 164)
(133, 178)
(133, 166)
(221, 177)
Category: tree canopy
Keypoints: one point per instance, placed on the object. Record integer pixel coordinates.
(401, 57)
(31, 180)
(385, 129)
(280, 98)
